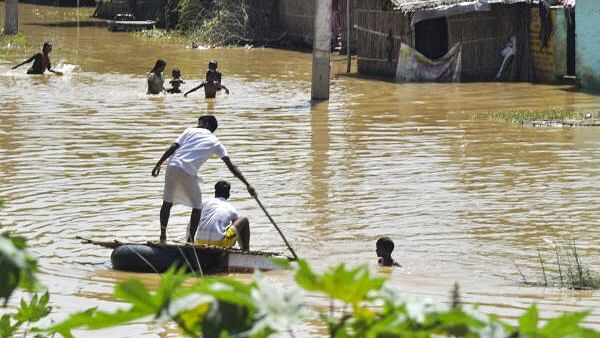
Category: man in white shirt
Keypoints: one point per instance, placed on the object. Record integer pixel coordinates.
(191, 149)
(220, 224)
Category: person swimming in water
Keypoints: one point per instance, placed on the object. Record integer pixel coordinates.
(41, 61)
(385, 246)
(212, 84)
(176, 82)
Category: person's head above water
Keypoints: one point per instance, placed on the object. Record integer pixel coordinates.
(209, 122)
(385, 246)
(159, 66)
(212, 65)
(47, 47)
(176, 73)
(222, 189)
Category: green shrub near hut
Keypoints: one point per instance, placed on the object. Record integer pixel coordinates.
(225, 23)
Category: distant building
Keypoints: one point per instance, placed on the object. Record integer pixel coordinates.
(552, 52)
(587, 43)
(479, 30)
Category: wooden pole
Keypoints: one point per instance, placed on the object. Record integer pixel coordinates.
(321, 50)
(11, 17)
(348, 32)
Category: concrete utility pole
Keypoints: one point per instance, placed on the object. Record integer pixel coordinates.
(321, 50)
(11, 17)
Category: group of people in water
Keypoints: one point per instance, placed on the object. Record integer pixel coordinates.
(212, 83)
(213, 221)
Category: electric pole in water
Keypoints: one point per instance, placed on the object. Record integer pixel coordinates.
(321, 50)
(11, 17)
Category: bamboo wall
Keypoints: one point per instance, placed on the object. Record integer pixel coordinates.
(483, 35)
(296, 17)
(377, 52)
(343, 24)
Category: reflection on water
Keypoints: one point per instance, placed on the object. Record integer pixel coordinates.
(464, 199)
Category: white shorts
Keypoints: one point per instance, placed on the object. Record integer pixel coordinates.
(182, 188)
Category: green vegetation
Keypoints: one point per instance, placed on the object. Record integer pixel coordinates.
(526, 115)
(17, 269)
(223, 24)
(361, 305)
(565, 270)
(158, 35)
(67, 14)
(12, 44)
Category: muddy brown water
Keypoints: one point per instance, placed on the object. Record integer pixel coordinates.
(464, 199)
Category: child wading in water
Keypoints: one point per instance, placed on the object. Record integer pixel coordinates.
(212, 84)
(156, 79)
(385, 246)
(41, 61)
(176, 82)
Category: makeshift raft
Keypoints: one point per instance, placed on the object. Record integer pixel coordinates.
(153, 257)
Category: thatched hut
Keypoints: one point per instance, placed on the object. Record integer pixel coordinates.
(480, 28)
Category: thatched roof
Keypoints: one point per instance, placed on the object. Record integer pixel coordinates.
(409, 6)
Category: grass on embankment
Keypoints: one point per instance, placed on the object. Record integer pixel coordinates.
(563, 268)
(159, 35)
(521, 115)
(12, 44)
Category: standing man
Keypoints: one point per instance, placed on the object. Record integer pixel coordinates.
(187, 154)
(220, 224)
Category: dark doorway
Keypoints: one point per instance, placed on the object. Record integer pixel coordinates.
(431, 37)
(570, 14)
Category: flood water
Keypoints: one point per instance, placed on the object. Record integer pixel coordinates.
(464, 199)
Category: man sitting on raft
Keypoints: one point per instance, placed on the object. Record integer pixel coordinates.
(220, 224)
(191, 149)
(41, 61)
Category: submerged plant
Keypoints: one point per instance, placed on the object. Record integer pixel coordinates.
(521, 115)
(569, 272)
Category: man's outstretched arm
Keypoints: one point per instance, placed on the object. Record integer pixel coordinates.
(237, 173)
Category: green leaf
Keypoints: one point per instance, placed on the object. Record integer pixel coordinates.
(528, 322)
(135, 292)
(6, 330)
(225, 317)
(566, 325)
(93, 319)
(34, 310)
(348, 285)
(226, 290)
(17, 267)
(170, 282)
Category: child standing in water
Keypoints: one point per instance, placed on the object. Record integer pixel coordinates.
(41, 61)
(385, 246)
(176, 82)
(156, 79)
(212, 84)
